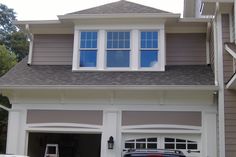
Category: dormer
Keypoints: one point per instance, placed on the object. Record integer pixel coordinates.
(119, 36)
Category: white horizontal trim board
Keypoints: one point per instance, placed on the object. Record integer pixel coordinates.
(123, 87)
(157, 107)
(66, 125)
(63, 130)
(161, 126)
(176, 131)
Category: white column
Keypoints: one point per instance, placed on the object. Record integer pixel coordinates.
(221, 115)
(210, 134)
(162, 52)
(134, 63)
(13, 132)
(101, 60)
(110, 128)
(76, 50)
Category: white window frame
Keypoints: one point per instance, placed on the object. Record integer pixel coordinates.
(134, 46)
(81, 49)
(124, 49)
(157, 49)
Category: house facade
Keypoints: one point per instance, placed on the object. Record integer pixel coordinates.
(223, 37)
(144, 77)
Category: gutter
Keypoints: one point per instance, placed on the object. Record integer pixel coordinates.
(116, 87)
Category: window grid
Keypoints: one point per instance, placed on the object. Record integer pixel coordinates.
(118, 40)
(181, 144)
(144, 143)
(148, 49)
(118, 49)
(88, 49)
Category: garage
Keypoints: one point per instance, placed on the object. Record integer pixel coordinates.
(189, 144)
(69, 145)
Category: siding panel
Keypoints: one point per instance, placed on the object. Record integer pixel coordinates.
(185, 48)
(53, 49)
(229, 95)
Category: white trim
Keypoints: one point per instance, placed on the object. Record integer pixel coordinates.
(221, 116)
(161, 126)
(72, 125)
(75, 50)
(37, 22)
(107, 16)
(164, 131)
(118, 87)
(64, 130)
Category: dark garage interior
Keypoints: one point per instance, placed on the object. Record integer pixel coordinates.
(70, 145)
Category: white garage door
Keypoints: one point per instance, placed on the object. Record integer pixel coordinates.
(188, 144)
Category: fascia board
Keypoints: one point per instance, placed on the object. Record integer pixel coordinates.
(96, 16)
(116, 87)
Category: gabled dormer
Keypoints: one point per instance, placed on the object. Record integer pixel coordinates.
(119, 36)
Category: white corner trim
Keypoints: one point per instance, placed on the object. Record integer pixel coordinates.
(221, 115)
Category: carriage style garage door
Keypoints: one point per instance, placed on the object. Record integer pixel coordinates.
(188, 144)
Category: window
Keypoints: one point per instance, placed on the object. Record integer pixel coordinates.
(143, 143)
(118, 49)
(172, 143)
(88, 49)
(149, 49)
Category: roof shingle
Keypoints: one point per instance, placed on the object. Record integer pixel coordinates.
(56, 75)
(120, 7)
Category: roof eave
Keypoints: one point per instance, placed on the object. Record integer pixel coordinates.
(116, 87)
(36, 22)
(107, 16)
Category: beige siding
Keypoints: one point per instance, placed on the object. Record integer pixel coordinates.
(53, 49)
(185, 48)
(161, 117)
(230, 96)
(65, 116)
(228, 60)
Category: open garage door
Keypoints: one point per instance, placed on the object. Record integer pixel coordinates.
(70, 145)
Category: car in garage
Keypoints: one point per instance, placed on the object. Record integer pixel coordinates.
(154, 153)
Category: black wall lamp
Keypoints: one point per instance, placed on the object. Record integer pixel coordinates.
(110, 142)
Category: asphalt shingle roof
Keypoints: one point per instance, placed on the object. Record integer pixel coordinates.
(56, 75)
(120, 7)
